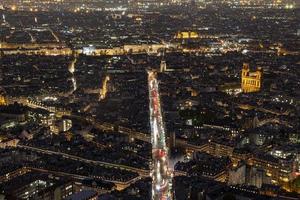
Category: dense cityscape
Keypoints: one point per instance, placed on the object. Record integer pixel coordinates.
(150, 99)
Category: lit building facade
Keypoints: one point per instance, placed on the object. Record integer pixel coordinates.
(251, 81)
(279, 170)
(237, 175)
(186, 35)
(2, 100)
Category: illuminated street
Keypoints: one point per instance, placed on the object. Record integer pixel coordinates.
(161, 175)
(71, 69)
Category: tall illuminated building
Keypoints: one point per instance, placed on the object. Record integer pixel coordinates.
(2, 100)
(251, 80)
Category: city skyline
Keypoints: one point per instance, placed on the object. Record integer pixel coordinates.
(149, 100)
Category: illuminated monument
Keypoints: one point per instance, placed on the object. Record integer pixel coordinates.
(251, 81)
(186, 35)
(3, 101)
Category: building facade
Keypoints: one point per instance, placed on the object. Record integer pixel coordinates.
(251, 81)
